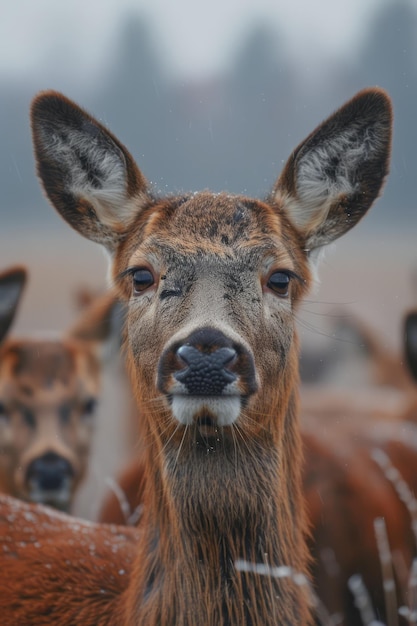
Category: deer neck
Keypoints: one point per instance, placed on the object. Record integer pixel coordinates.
(231, 511)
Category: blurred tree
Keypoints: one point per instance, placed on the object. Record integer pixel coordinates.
(132, 98)
(19, 187)
(259, 125)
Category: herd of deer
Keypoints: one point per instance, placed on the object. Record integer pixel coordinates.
(243, 506)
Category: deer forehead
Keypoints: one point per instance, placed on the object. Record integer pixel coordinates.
(33, 367)
(217, 225)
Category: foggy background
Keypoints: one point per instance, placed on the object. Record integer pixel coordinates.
(208, 97)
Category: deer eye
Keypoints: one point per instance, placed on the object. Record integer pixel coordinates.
(142, 279)
(279, 283)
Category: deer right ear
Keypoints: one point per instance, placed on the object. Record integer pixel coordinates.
(87, 174)
(333, 177)
(410, 335)
(12, 282)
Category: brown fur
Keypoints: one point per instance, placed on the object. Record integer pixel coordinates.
(73, 571)
(226, 488)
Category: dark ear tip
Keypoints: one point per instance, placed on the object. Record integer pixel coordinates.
(43, 99)
(376, 100)
(15, 274)
(50, 104)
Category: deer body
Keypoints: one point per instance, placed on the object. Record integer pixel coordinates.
(212, 282)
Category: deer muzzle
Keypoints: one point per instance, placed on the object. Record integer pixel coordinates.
(207, 376)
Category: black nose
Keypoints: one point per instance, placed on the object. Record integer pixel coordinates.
(206, 373)
(49, 472)
(206, 362)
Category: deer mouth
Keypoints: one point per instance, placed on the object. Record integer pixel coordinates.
(207, 425)
(207, 412)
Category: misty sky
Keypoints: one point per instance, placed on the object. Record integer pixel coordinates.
(193, 38)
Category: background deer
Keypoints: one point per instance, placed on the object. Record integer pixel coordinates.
(212, 282)
(48, 395)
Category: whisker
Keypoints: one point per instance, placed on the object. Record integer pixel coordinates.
(172, 435)
(181, 443)
(239, 432)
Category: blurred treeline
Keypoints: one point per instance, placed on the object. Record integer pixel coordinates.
(230, 132)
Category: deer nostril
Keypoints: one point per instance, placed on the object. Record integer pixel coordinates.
(219, 358)
(205, 363)
(205, 372)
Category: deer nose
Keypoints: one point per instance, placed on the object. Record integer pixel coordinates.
(49, 472)
(205, 373)
(205, 363)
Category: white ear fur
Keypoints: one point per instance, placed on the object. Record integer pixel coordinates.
(96, 172)
(334, 176)
(88, 175)
(317, 189)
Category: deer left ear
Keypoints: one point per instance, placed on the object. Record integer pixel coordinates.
(87, 174)
(12, 283)
(334, 176)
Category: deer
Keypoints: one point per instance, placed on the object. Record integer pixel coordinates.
(49, 388)
(212, 282)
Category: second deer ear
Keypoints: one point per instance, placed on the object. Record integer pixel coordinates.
(410, 336)
(12, 282)
(333, 177)
(87, 174)
(102, 319)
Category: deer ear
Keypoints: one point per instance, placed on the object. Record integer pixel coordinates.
(333, 177)
(100, 320)
(102, 323)
(410, 336)
(87, 174)
(12, 283)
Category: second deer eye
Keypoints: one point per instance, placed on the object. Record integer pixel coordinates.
(279, 283)
(142, 279)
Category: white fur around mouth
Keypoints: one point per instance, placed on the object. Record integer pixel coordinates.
(224, 409)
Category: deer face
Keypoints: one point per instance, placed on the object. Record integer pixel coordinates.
(210, 322)
(48, 392)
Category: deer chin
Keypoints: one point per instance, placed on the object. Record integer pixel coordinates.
(207, 412)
